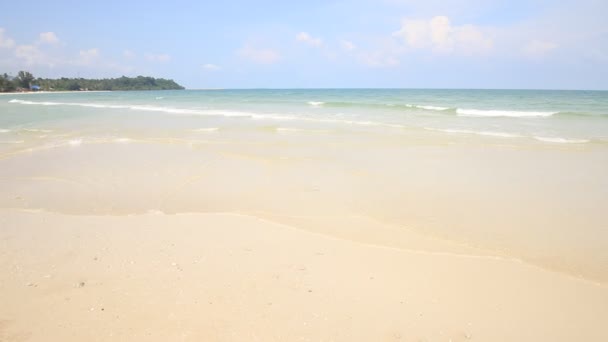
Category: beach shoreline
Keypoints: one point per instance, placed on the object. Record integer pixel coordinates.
(244, 215)
(53, 92)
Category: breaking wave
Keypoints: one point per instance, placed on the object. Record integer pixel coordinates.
(498, 113)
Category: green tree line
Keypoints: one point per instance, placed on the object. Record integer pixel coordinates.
(26, 81)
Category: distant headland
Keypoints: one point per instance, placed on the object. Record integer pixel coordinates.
(26, 82)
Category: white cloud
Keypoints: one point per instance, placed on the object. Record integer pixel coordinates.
(211, 67)
(538, 49)
(88, 57)
(347, 45)
(161, 58)
(259, 55)
(5, 42)
(90, 53)
(46, 56)
(128, 54)
(48, 38)
(30, 54)
(308, 39)
(440, 36)
(378, 59)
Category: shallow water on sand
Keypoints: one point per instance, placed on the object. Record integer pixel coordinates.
(516, 174)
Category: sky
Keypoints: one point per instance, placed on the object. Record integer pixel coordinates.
(496, 44)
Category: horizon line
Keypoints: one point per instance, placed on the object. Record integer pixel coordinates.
(388, 88)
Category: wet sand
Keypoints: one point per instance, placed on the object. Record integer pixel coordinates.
(258, 235)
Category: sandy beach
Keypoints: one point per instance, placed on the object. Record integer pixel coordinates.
(228, 277)
(142, 217)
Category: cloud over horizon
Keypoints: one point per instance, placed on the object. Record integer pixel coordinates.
(440, 36)
(308, 39)
(259, 55)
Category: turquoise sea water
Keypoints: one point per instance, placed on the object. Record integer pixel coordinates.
(547, 116)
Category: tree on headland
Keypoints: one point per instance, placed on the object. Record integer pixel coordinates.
(24, 79)
(6, 84)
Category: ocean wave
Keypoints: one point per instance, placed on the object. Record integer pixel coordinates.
(484, 133)
(384, 106)
(148, 108)
(416, 108)
(46, 103)
(5, 130)
(511, 135)
(206, 129)
(214, 112)
(12, 142)
(355, 122)
(499, 113)
(561, 140)
(291, 129)
(427, 107)
(36, 130)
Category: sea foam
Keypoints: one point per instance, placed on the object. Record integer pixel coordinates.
(484, 133)
(302, 130)
(561, 140)
(427, 107)
(209, 112)
(498, 113)
(206, 129)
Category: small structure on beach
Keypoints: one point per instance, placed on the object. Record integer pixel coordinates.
(34, 88)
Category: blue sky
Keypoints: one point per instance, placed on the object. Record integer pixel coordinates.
(308, 44)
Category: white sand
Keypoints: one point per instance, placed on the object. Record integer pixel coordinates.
(226, 277)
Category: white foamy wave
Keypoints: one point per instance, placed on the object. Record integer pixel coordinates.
(75, 142)
(92, 105)
(272, 116)
(178, 111)
(499, 134)
(374, 123)
(35, 103)
(291, 129)
(427, 107)
(207, 129)
(561, 140)
(37, 130)
(212, 112)
(498, 113)
(169, 110)
(485, 133)
(5, 130)
(12, 142)
(123, 140)
(354, 122)
(316, 103)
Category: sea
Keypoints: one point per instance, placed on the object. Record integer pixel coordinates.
(517, 174)
(549, 116)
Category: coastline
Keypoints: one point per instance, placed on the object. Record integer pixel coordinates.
(54, 92)
(130, 218)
